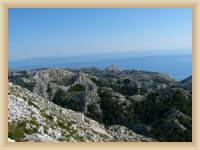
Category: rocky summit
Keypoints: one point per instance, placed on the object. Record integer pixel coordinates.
(90, 104)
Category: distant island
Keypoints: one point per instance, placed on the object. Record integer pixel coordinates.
(178, 66)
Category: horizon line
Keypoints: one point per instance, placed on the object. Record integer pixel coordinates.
(138, 54)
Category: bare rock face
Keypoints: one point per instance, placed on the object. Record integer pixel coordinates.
(36, 137)
(10, 140)
(32, 118)
(51, 79)
(121, 133)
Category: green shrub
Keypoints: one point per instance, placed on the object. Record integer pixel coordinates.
(16, 130)
(77, 87)
(59, 97)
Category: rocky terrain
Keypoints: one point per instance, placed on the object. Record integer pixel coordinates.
(90, 104)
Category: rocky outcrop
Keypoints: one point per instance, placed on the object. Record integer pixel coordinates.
(32, 118)
(10, 140)
(121, 133)
(112, 68)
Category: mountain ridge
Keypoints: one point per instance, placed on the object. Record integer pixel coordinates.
(116, 99)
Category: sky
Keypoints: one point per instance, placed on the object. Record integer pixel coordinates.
(42, 32)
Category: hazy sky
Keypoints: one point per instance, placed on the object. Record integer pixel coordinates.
(66, 32)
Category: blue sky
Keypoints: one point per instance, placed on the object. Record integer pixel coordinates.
(68, 32)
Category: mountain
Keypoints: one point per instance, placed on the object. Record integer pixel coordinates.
(112, 68)
(187, 83)
(125, 105)
(33, 118)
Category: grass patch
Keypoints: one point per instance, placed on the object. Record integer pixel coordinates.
(17, 130)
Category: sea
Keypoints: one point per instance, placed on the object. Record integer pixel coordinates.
(177, 67)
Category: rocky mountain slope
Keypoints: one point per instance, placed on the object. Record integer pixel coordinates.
(32, 118)
(103, 105)
(187, 83)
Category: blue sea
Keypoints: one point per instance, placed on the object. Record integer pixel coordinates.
(176, 66)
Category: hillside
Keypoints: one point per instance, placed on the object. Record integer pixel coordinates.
(91, 104)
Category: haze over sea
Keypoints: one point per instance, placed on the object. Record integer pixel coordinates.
(177, 66)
